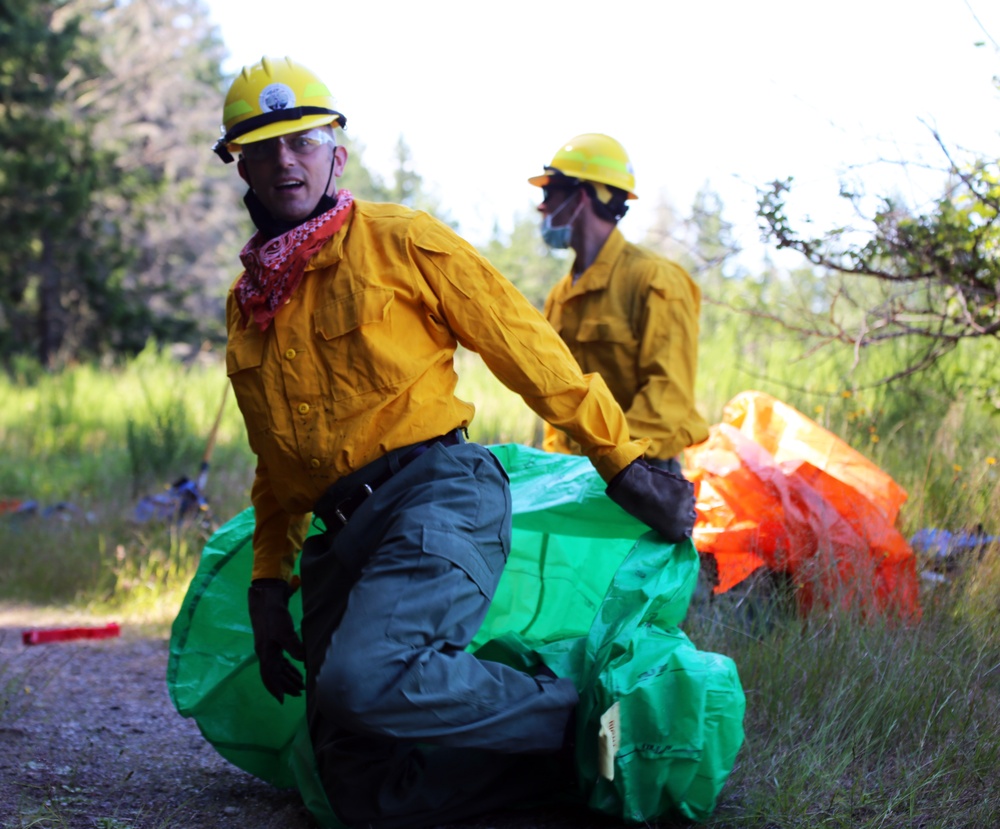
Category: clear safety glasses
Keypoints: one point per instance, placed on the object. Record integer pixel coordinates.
(300, 143)
(550, 190)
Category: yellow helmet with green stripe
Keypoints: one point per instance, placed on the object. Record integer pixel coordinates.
(591, 157)
(271, 98)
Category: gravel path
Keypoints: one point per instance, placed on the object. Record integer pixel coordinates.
(89, 738)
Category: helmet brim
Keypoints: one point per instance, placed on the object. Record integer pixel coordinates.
(279, 128)
(540, 181)
(554, 177)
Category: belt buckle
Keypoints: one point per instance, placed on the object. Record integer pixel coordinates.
(364, 491)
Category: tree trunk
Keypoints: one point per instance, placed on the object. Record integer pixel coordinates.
(51, 324)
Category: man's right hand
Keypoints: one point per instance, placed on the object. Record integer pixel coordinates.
(273, 635)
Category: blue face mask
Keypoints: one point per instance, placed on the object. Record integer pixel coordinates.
(558, 237)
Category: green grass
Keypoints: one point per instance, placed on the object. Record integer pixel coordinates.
(98, 440)
(867, 725)
(101, 438)
(848, 724)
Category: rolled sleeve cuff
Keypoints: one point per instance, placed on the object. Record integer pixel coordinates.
(609, 462)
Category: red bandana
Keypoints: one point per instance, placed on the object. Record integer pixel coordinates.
(274, 267)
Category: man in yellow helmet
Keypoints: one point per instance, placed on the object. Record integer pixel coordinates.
(626, 314)
(342, 331)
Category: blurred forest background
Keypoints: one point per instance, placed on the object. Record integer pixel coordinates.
(118, 227)
(119, 231)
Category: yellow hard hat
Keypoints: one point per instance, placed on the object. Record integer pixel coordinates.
(591, 157)
(271, 98)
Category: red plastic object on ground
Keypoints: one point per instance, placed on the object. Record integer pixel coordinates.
(775, 489)
(42, 637)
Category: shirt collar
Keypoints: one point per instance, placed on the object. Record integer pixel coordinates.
(596, 277)
(333, 251)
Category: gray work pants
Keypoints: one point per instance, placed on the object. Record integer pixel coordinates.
(408, 728)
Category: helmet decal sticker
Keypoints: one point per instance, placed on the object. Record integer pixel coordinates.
(276, 96)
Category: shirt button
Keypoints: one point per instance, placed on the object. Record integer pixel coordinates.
(303, 408)
(290, 353)
(314, 463)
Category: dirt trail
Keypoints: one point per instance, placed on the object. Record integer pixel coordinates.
(90, 739)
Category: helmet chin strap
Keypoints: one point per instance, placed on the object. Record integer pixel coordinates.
(329, 178)
(326, 201)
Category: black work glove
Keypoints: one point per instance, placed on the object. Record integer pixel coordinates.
(660, 499)
(273, 634)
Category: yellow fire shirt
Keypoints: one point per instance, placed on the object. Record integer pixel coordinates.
(360, 362)
(632, 318)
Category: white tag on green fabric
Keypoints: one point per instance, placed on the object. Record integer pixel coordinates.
(608, 740)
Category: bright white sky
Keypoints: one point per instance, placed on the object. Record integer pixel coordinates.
(729, 93)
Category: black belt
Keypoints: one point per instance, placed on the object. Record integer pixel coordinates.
(336, 508)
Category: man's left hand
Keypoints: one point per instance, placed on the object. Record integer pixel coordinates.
(274, 636)
(660, 499)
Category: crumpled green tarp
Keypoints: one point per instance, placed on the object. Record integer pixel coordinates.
(587, 590)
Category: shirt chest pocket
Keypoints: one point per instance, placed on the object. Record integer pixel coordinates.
(367, 343)
(605, 330)
(244, 356)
